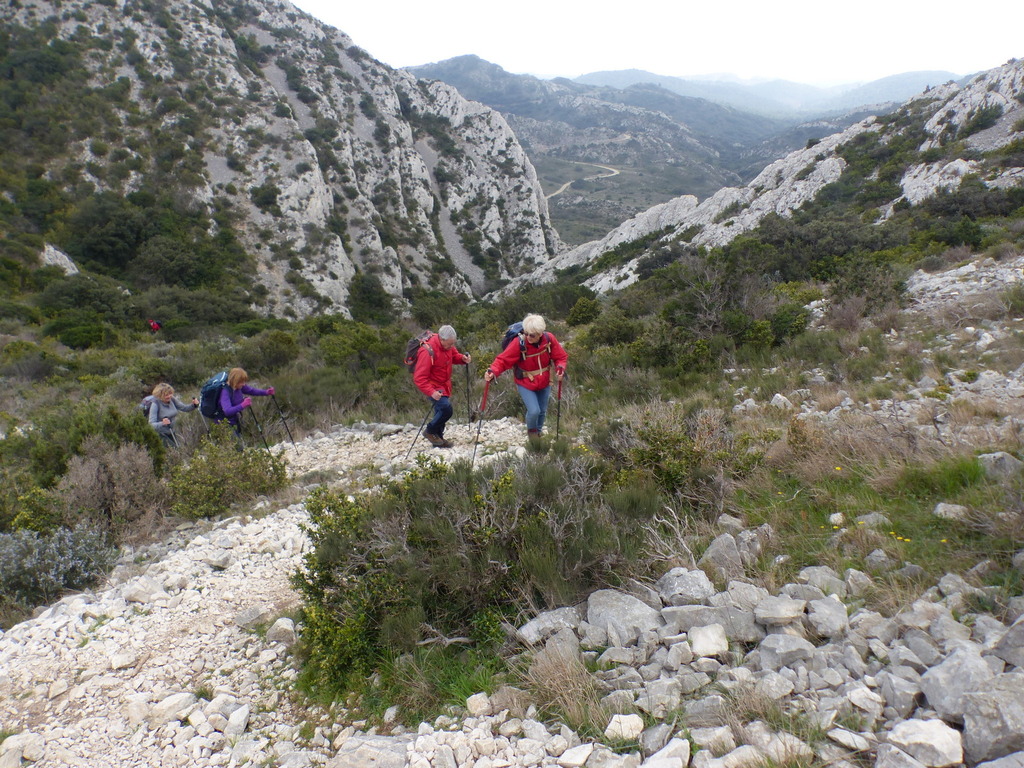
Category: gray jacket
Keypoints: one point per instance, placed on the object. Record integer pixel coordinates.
(159, 410)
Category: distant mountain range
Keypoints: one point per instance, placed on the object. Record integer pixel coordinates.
(781, 98)
(663, 141)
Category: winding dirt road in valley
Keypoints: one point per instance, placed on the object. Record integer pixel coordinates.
(611, 172)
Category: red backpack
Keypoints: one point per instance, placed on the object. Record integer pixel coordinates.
(412, 349)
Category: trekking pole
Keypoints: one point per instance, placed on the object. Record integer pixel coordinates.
(480, 422)
(469, 413)
(274, 398)
(418, 432)
(558, 417)
(259, 428)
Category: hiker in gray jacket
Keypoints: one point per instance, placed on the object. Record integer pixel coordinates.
(164, 409)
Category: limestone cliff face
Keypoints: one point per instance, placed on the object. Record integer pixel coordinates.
(327, 162)
(986, 115)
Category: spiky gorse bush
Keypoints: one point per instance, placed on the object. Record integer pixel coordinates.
(35, 568)
(445, 553)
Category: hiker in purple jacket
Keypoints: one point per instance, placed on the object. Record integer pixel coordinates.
(237, 396)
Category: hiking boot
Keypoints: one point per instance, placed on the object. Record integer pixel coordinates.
(435, 440)
(445, 443)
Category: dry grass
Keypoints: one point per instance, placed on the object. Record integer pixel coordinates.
(881, 442)
(749, 705)
(564, 688)
(889, 595)
(1004, 521)
(972, 309)
(827, 396)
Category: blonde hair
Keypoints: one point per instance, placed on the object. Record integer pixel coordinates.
(162, 389)
(534, 324)
(237, 377)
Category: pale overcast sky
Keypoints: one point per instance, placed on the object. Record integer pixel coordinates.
(811, 42)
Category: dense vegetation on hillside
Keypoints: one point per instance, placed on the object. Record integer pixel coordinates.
(176, 261)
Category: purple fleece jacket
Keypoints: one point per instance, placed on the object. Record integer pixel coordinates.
(231, 400)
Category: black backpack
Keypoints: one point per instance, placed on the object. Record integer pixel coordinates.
(412, 349)
(513, 331)
(146, 404)
(209, 396)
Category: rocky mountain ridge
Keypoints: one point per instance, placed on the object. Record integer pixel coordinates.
(163, 665)
(787, 184)
(782, 97)
(326, 162)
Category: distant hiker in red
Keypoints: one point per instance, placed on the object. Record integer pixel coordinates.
(433, 377)
(154, 326)
(531, 354)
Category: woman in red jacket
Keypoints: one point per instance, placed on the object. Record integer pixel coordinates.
(433, 377)
(532, 354)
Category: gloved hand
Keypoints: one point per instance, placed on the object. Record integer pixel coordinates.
(247, 402)
(270, 390)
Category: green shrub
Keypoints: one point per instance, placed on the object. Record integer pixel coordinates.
(980, 119)
(35, 568)
(269, 351)
(614, 328)
(789, 320)
(368, 301)
(584, 311)
(445, 552)
(220, 475)
(38, 511)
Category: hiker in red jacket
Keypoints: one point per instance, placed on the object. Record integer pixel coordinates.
(532, 354)
(433, 377)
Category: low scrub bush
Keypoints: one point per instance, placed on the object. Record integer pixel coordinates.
(25, 360)
(220, 475)
(35, 568)
(691, 457)
(447, 553)
(111, 489)
(269, 351)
